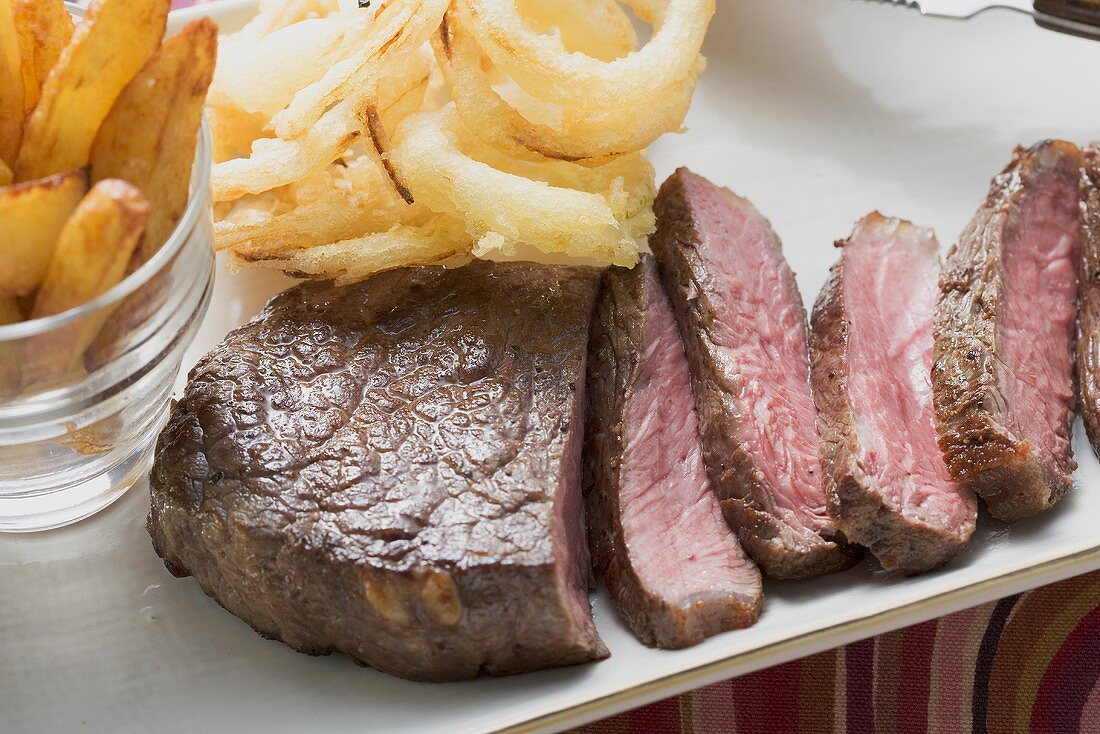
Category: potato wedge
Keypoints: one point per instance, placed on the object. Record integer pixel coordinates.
(31, 217)
(45, 28)
(5, 174)
(91, 256)
(11, 86)
(108, 48)
(150, 134)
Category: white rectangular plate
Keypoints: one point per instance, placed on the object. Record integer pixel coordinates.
(817, 111)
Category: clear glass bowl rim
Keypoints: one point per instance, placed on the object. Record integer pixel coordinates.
(196, 208)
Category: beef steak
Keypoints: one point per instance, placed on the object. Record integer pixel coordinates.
(871, 357)
(673, 567)
(392, 470)
(744, 330)
(1002, 374)
(1088, 317)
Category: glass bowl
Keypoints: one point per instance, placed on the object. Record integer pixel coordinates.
(78, 424)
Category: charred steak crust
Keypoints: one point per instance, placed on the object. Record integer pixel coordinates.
(1088, 284)
(968, 382)
(781, 550)
(897, 538)
(615, 348)
(392, 470)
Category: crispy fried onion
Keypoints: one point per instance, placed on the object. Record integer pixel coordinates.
(607, 107)
(586, 134)
(438, 239)
(517, 128)
(337, 108)
(554, 206)
(542, 65)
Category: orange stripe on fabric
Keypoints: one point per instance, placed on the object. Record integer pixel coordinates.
(888, 650)
(688, 706)
(816, 694)
(840, 702)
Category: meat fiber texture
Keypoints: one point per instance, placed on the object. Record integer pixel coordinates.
(1088, 317)
(1003, 366)
(744, 331)
(674, 569)
(392, 470)
(871, 353)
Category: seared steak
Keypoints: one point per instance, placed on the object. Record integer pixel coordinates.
(1088, 317)
(392, 470)
(673, 567)
(1003, 371)
(744, 330)
(871, 355)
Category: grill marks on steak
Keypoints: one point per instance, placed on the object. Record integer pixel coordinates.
(744, 331)
(673, 567)
(871, 351)
(392, 470)
(1003, 369)
(1088, 317)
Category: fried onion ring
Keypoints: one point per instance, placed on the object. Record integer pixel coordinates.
(502, 209)
(541, 65)
(588, 136)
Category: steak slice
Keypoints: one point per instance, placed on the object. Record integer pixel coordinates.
(1088, 317)
(871, 356)
(1002, 375)
(392, 470)
(674, 569)
(744, 331)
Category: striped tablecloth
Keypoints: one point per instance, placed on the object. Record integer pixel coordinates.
(1027, 663)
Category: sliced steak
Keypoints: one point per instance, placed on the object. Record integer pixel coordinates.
(871, 355)
(674, 569)
(744, 330)
(1088, 317)
(1002, 375)
(392, 470)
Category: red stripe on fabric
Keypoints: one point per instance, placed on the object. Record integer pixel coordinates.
(916, 678)
(768, 701)
(1066, 685)
(859, 681)
(657, 718)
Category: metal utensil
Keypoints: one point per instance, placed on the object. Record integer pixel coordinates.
(1076, 17)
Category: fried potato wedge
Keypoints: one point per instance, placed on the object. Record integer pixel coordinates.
(91, 256)
(32, 215)
(45, 28)
(108, 48)
(11, 86)
(5, 174)
(150, 134)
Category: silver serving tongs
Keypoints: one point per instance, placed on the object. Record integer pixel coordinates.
(1076, 17)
